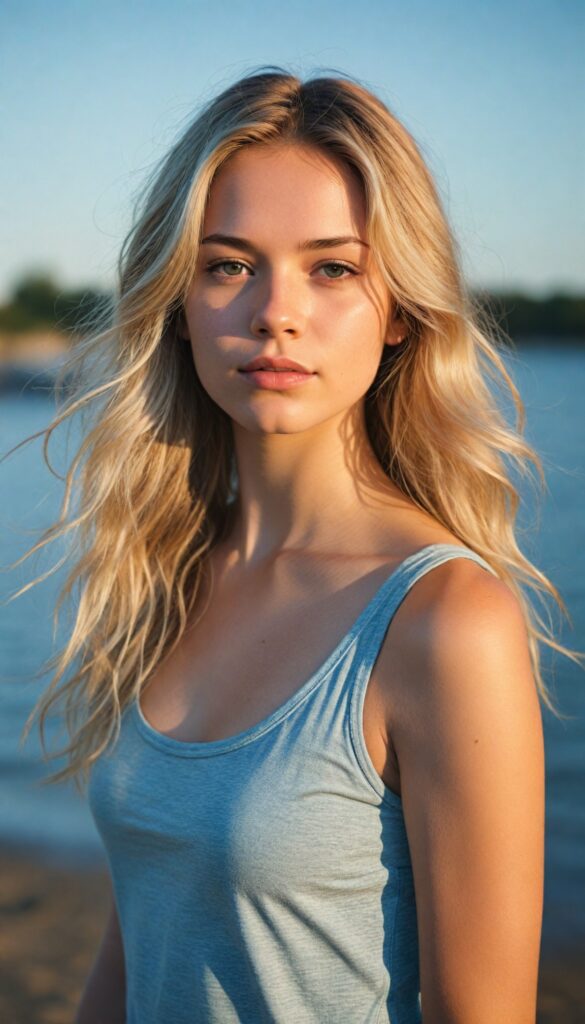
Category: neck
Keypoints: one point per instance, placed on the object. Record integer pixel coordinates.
(313, 490)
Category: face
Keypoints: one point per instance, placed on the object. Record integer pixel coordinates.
(276, 293)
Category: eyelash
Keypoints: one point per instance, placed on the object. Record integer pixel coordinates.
(330, 263)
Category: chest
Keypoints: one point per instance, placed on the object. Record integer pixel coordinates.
(253, 648)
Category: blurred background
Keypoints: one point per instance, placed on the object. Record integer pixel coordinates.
(93, 95)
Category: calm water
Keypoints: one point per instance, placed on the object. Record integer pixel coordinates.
(55, 820)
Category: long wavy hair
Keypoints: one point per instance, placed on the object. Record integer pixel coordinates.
(156, 467)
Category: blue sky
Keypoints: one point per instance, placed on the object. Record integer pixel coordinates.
(493, 92)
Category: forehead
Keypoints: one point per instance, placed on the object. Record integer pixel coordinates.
(292, 186)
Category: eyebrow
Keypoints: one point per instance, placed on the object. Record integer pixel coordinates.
(310, 243)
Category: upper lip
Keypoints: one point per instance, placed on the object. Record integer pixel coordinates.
(278, 363)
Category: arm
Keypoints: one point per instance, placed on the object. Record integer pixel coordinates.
(104, 998)
(467, 731)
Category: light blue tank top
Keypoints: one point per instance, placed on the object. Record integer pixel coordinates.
(266, 877)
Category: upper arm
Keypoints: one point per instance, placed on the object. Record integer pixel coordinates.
(467, 731)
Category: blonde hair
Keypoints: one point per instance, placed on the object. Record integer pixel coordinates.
(157, 469)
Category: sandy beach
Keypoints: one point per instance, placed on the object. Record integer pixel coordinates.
(52, 919)
(34, 347)
(51, 923)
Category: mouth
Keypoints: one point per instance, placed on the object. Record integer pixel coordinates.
(281, 379)
(280, 369)
(279, 364)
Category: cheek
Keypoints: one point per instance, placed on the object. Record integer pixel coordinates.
(354, 343)
(207, 327)
(370, 317)
(203, 318)
(351, 380)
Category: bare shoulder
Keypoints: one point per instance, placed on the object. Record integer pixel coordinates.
(458, 655)
(458, 604)
(465, 724)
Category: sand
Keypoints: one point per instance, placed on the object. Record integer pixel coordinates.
(52, 919)
(34, 347)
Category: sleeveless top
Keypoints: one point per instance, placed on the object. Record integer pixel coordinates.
(266, 877)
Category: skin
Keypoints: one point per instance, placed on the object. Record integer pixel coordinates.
(467, 734)
(458, 693)
(298, 487)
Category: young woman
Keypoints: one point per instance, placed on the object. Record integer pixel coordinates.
(308, 694)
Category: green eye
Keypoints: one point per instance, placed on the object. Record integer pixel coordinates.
(338, 266)
(335, 264)
(225, 263)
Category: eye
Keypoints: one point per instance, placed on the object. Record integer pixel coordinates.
(337, 265)
(212, 267)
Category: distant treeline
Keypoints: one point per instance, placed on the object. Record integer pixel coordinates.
(37, 303)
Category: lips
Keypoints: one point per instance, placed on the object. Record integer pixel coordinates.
(278, 364)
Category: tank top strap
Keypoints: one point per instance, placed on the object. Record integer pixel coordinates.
(395, 588)
(369, 638)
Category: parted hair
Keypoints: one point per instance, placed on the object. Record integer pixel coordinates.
(155, 470)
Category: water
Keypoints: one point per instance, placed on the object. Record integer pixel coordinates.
(54, 819)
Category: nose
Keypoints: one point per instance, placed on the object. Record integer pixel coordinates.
(278, 308)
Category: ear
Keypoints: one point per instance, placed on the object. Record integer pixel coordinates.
(396, 332)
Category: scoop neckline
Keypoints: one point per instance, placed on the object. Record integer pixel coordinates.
(209, 748)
